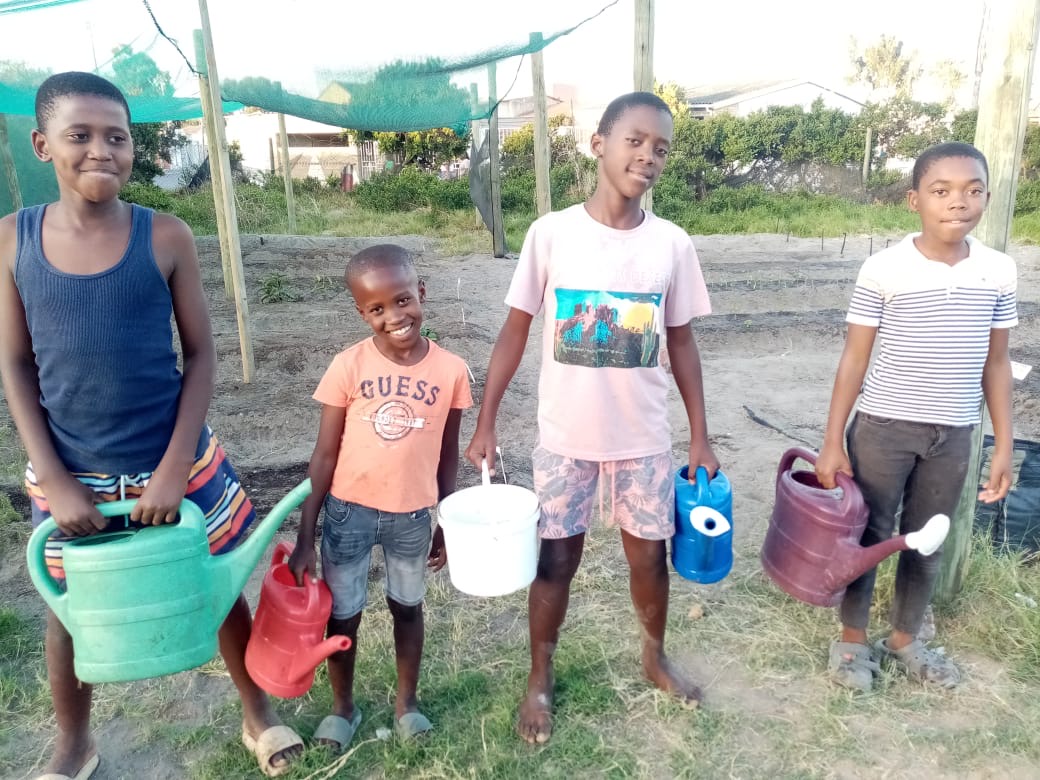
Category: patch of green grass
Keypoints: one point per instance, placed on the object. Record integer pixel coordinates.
(24, 695)
(12, 455)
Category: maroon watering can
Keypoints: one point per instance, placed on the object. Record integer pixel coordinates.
(812, 548)
(286, 643)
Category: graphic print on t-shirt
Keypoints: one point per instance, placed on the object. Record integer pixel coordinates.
(395, 418)
(601, 329)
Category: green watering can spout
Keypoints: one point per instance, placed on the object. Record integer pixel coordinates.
(235, 567)
(149, 602)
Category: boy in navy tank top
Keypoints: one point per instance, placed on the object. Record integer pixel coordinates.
(88, 288)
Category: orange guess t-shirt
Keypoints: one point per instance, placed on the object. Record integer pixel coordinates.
(391, 445)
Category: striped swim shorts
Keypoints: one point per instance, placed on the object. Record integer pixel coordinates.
(212, 486)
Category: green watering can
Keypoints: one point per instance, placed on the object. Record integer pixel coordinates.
(144, 603)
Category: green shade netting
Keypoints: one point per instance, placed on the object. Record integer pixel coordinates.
(336, 63)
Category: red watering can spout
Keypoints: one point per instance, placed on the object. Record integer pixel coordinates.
(308, 659)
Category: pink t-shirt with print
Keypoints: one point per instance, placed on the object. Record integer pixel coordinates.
(608, 296)
(391, 445)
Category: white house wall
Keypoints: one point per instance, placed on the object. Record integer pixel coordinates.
(803, 95)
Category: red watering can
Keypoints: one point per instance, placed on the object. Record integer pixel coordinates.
(286, 644)
(812, 548)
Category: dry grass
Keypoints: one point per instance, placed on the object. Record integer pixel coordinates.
(770, 710)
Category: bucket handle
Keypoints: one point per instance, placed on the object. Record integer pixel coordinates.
(485, 474)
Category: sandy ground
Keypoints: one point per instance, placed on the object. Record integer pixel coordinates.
(769, 352)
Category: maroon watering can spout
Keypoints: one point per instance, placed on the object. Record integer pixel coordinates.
(812, 548)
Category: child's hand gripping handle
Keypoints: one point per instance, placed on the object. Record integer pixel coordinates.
(35, 552)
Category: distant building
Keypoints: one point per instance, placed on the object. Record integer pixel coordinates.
(744, 99)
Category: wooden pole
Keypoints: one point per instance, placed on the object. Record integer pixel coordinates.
(643, 61)
(245, 337)
(498, 232)
(7, 160)
(209, 110)
(474, 97)
(999, 134)
(290, 198)
(542, 150)
(867, 149)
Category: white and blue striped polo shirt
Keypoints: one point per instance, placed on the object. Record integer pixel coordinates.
(933, 323)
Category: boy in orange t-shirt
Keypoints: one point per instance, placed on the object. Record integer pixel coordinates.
(387, 450)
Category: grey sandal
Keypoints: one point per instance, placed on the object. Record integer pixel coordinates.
(852, 665)
(921, 663)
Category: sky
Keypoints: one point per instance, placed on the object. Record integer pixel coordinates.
(697, 42)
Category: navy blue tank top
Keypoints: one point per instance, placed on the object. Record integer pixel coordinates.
(109, 381)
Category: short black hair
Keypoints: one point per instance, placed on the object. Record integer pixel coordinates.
(377, 256)
(933, 154)
(73, 83)
(620, 105)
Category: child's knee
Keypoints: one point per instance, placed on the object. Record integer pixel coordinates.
(404, 613)
(558, 561)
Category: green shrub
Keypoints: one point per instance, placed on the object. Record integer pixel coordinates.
(409, 189)
(518, 191)
(451, 194)
(1027, 199)
(147, 195)
(735, 199)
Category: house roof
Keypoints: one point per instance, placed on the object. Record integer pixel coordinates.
(718, 96)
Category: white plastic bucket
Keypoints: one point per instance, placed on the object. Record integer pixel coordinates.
(491, 534)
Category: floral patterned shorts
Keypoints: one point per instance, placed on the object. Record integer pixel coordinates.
(641, 494)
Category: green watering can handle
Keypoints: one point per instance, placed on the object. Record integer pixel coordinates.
(190, 515)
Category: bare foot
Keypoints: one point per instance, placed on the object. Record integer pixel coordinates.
(661, 672)
(70, 755)
(535, 721)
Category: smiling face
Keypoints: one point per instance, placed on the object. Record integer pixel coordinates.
(389, 298)
(633, 152)
(87, 138)
(950, 198)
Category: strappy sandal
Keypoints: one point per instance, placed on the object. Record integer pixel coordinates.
(852, 665)
(921, 663)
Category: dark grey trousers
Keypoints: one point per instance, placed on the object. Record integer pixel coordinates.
(922, 467)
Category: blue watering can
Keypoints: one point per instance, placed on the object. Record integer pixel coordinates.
(702, 548)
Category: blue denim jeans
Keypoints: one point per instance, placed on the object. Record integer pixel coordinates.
(921, 467)
(349, 533)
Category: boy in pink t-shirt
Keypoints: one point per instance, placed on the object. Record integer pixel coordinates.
(387, 450)
(613, 282)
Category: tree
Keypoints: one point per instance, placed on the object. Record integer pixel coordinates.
(949, 78)
(518, 147)
(674, 95)
(963, 126)
(137, 75)
(883, 68)
(20, 74)
(405, 95)
(425, 149)
(902, 127)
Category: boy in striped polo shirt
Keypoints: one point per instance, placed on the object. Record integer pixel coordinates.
(940, 304)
